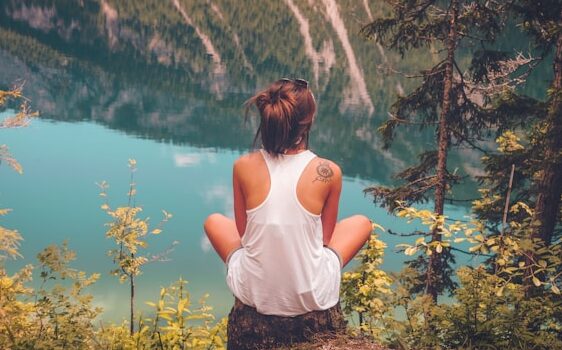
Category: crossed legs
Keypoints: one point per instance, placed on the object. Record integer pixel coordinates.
(350, 234)
(222, 233)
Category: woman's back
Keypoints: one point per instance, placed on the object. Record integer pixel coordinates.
(252, 173)
(284, 250)
(283, 268)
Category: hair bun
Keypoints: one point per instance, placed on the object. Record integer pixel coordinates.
(279, 94)
(286, 115)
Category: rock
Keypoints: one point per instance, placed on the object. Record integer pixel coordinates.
(249, 330)
(337, 342)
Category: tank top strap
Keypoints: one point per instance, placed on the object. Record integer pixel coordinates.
(267, 159)
(298, 164)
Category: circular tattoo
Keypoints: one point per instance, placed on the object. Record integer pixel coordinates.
(324, 172)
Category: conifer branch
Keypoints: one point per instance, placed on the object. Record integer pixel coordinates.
(397, 119)
(466, 140)
(470, 253)
(410, 234)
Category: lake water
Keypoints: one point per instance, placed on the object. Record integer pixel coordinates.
(163, 82)
(56, 199)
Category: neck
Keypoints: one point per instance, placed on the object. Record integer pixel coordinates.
(297, 149)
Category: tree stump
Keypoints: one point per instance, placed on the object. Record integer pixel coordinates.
(249, 330)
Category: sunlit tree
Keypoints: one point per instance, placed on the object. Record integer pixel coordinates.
(443, 101)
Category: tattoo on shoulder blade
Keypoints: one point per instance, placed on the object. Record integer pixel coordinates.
(324, 172)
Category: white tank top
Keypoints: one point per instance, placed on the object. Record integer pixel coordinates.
(283, 268)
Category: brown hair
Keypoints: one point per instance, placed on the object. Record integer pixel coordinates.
(286, 109)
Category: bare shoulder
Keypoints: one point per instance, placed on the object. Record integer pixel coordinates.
(326, 170)
(248, 160)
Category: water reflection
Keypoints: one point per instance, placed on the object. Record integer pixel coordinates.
(180, 71)
(356, 92)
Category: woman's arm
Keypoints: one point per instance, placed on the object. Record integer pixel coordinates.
(239, 201)
(330, 209)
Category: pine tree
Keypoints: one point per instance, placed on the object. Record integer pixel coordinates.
(543, 20)
(535, 145)
(443, 101)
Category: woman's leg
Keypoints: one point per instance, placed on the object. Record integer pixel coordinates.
(350, 235)
(222, 233)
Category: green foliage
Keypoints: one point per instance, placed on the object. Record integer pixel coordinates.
(466, 118)
(540, 19)
(129, 234)
(509, 251)
(448, 100)
(479, 316)
(182, 325)
(176, 324)
(518, 252)
(538, 165)
(511, 299)
(59, 314)
(9, 241)
(491, 308)
(8, 98)
(490, 312)
(16, 308)
(64, 312)
(128, 231)
(365, 289)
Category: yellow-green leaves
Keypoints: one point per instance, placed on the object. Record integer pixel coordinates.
(128, 230)
(56, 315)
(521, 207)
(20, 119)
(376, 226)
(6, 156)
(9, 243)
(179, 325)
(508, 142)
(60, 315)
(410, 250)
(449, 232)
(510, 251)
(363, 289)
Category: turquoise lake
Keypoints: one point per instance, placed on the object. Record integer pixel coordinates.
(164, 83)
(56, 199)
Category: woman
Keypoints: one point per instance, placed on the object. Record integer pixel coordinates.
(284, 251)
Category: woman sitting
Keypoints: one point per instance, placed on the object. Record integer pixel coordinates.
(284, 251)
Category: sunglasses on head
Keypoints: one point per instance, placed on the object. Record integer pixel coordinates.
(300, 82)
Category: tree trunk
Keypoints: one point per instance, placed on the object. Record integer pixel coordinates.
(435, 260)
(550, 185)
(248, 329)
(132, 306)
